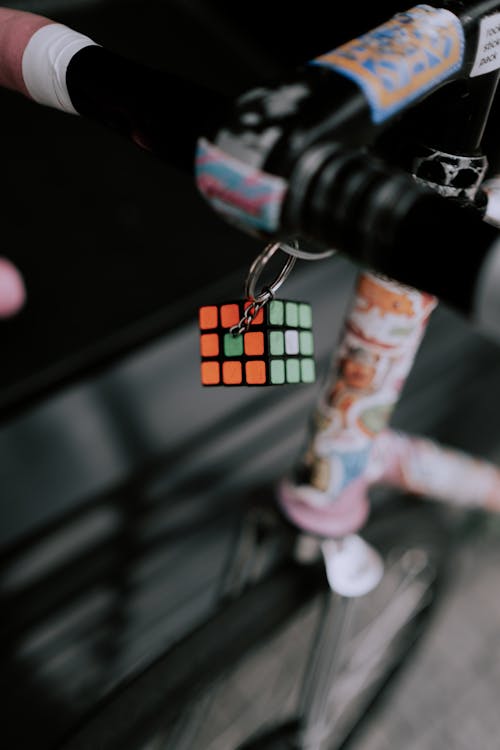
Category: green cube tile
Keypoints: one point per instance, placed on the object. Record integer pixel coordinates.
(306, 343)
(277, 371)
(292, 371)
(277, 343)
(292, 314)
(307, 371)
(233, 345)
(305, 315)
(276, 313)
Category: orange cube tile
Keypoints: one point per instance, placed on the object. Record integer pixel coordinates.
(209, 345)
(210, 373)
(229, 315)
(232, 373)
(254, 344)
(255, 372)
(208, 317)
(259, 318)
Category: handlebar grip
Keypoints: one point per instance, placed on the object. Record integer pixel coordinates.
(383, 219)
(35, 53)
(59, 67)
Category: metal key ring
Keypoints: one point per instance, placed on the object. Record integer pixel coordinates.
(304, 254)
(256, 269)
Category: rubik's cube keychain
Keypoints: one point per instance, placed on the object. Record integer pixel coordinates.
(260, 340)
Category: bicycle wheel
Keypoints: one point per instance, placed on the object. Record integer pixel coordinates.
(235, 681)
(262, 691)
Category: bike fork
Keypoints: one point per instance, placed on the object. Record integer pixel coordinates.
(353, 569)
(322, 668)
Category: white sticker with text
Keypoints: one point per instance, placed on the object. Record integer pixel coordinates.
(488, 50)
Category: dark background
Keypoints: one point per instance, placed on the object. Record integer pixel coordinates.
(115, 247)
(121, 479)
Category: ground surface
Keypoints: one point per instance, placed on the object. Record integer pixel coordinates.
(449, 696)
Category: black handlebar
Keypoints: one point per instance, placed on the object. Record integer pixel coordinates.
(302, 156)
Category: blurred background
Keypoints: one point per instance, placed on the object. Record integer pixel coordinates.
(121, 479)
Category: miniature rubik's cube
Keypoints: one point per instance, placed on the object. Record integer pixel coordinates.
(277, 349)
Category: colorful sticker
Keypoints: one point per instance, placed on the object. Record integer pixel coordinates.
(488, 48)
(382, 333)
(244, 195)
(449, 175)
(400, 61)
(424, 467)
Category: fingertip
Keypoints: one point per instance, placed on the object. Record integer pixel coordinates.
(12, 289)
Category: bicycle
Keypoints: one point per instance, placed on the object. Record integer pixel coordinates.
(316, 470)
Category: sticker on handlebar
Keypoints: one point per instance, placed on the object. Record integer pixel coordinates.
(400, 61)
(244, 195)
(488, 48)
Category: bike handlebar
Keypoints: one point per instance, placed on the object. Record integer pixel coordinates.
(335, 194)
(59, 67)
(386, 221)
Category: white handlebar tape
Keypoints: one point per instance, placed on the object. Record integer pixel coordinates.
(45, 61)
(34, 56)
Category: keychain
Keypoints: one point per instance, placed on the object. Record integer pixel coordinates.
(259, 340)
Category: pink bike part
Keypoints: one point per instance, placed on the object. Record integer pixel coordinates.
(347, 515)
(12, 290)
(16, 30)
